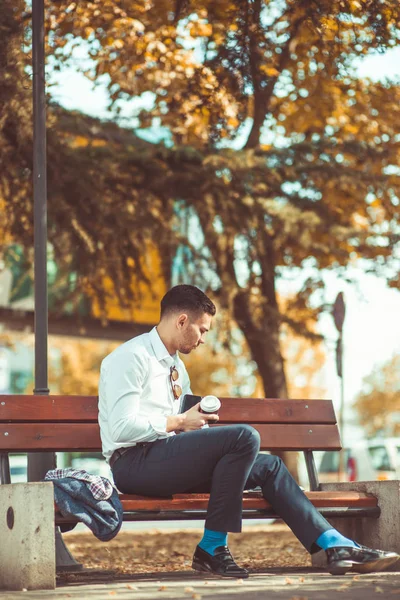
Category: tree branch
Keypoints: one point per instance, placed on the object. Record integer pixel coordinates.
(262, 98)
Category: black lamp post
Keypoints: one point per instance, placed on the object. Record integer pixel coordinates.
(39, 463)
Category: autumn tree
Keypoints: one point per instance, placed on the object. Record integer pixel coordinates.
(280, 158)
(314, 185)
(15, 123)
(94, 202)
(378, 404)
(75, 365)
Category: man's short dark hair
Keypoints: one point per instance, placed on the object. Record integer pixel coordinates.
(189, 298)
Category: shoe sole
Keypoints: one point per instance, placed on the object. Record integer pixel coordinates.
(203, 569)
(341, 567)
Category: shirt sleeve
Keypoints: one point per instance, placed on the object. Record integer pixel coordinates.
(124, 388)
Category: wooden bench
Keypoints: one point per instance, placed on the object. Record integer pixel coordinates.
(69, 423)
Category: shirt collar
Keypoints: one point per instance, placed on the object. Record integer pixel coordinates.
(160, 350)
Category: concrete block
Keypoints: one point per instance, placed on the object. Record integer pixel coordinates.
(382, 533)
(27, 546)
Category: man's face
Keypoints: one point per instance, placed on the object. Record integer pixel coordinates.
(192, 330)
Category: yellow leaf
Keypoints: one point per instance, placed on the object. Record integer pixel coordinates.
(270, 71)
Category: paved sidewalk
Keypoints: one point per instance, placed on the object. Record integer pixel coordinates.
(282, 584)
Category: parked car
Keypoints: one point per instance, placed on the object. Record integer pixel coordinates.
(366, 460)
(385, 457)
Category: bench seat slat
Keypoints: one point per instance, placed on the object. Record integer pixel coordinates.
(253, 500)
(59, 437)
(234, 410)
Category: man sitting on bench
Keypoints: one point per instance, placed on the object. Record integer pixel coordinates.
(141, 386)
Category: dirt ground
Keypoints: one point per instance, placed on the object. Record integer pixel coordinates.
(172, 550)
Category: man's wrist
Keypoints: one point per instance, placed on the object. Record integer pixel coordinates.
(175, 422)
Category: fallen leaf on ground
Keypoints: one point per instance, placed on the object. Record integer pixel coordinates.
(288, 581)
(379, 590)
(188, 589)
(343, 588)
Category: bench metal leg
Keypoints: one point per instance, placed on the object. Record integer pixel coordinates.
(64, 559)
(311, 471)
(4, 468)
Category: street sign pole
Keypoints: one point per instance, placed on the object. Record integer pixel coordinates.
(341, 414)
(338, 313)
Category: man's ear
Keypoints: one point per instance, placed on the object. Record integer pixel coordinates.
(182, 320)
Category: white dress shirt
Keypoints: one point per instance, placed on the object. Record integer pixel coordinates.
(135, 392)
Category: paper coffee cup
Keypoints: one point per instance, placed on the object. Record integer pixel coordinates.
(210, 405)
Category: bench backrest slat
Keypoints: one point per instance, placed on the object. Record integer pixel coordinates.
(24, 437)
(84, 409)
(49, 408)
(273, 410)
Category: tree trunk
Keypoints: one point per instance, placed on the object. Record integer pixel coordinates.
(264, 343)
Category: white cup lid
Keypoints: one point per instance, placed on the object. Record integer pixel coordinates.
(210, 403)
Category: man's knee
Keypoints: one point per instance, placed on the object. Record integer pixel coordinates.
(246, 434)
(271, 462)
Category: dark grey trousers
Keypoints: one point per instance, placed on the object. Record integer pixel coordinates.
(223, 461)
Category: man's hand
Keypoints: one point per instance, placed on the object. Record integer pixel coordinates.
(194, 419)
(190, 420)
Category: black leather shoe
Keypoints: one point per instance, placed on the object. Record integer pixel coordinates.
(221, 563)
(361, 560)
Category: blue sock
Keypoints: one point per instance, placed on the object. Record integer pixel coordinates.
(332, 538)
(212, 540)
